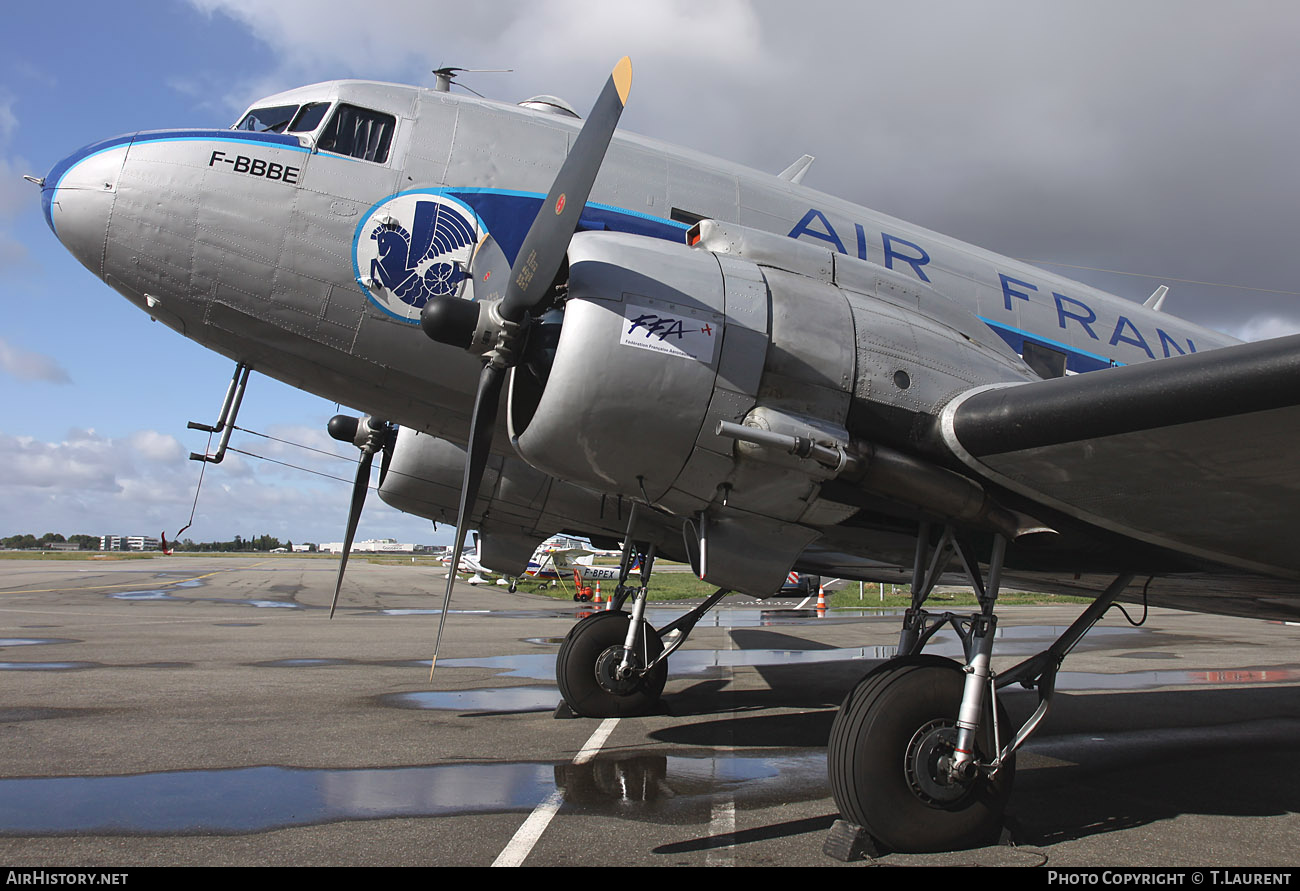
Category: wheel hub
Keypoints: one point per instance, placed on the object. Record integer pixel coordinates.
(610, 679)
(926, 764)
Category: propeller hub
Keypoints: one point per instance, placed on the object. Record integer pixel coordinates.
(343, 428)
(450, 320)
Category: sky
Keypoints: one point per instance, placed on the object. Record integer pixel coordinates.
(1156, 139)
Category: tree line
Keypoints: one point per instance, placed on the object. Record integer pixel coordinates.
(29, 542)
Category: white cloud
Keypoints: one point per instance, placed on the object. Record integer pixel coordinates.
(561, 47)
(144, 483)
(150, 445)
(29, 366)
(1266, 327)
(16, 195)
(8, 121)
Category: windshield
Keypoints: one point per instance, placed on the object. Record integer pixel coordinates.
(310, 117)
(276, 118)
(273, 119)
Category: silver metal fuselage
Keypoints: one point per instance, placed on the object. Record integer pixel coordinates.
(259, 246)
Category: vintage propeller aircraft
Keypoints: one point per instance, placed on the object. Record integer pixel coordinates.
(783, 380)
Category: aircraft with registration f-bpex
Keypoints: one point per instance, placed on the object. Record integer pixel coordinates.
(552, 560)
(720, 366)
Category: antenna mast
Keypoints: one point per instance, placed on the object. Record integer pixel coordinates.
(445, 77)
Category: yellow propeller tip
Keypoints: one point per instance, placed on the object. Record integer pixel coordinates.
(623, 78)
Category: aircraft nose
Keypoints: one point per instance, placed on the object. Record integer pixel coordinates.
(77, 197)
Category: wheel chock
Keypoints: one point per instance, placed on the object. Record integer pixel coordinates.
(848, 842)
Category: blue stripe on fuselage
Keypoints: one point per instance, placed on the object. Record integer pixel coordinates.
(508, 214)
(1075, 359)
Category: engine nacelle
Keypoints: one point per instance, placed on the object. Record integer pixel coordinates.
(656, 346)
(664, 348)
(517, 507)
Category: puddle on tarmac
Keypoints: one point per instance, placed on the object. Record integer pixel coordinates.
(750, 618)
(500, 699)
(494, 613)
(158, 595)
(1014, 643)
(33, 641)
(144, 595)
(301, 663)
(46, 666)
(259, 799)
(433, 612)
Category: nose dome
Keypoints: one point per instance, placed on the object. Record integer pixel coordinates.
(77, 198)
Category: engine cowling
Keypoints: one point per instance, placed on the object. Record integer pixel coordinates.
(636, 373)
(662, 346)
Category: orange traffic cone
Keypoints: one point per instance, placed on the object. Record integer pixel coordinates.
(821, 601)
(596, 598)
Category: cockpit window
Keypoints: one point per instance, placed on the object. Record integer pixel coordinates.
(272, 119)
(309, 117)
(358, 133)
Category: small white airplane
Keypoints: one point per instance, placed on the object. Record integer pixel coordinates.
(722, 366)
(552, 560)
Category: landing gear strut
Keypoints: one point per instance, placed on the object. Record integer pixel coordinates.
(614, 664)
(914, 756)
(891, 757)
(919, 756)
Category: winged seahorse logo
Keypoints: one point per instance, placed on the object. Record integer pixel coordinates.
(417, 265)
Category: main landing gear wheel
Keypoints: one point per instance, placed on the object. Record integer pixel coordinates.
(586, 668)
(885, 752)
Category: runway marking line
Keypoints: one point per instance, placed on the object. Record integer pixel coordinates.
(722, 828)
(519, 847)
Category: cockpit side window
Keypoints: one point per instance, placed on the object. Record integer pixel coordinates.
(358, 133)
(272, 119)
(309, 117)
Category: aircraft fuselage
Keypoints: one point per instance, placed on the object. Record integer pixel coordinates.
(311, 265)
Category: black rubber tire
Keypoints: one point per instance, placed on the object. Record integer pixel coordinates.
(868, 753)
(575, 668)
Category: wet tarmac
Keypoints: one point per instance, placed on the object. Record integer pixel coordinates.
(203, 710)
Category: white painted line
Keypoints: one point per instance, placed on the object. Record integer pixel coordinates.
(521, 845)
(722, 828)
(722, 819)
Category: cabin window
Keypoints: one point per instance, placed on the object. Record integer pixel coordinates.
(358, 133)
(272, 119)
(309, 117)
(1046, 362)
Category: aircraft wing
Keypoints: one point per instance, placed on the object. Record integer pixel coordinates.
(569, 557)
(1195, 453)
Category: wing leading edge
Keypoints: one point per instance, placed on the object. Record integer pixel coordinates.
(1194, 453)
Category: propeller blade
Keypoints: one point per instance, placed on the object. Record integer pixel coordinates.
(529, 282)
(359, 489)
(548, 238)
(482, 424)
(390, 441)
